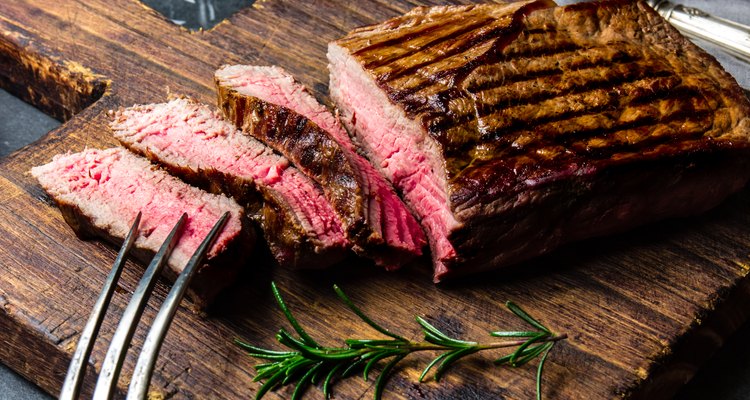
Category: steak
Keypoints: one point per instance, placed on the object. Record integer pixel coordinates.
(511, 129)
(100, 192)
(267, 103)
(195, 143)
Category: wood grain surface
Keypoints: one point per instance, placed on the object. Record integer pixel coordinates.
(641, 309)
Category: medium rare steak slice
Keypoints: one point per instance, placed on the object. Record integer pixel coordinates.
(267, 103)
(514, 128)
(195, 143)
(100, 192)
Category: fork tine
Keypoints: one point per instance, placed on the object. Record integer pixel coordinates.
(77, 369)
(150, 351)
(123, 334)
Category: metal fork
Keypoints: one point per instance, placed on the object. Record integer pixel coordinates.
(113, 361)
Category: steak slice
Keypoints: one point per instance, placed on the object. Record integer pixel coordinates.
(267, 103)
(194, 142)
(100, 192)
(511, 129)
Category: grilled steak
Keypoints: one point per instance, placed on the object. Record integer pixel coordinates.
(101, 191)
(267, 103)
(194, 142)
(514, 128)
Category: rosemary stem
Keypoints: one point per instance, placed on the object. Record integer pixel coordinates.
(306, 362)
(423, 346)
(514, 343)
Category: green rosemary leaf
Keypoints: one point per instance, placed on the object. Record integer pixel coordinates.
(324, 354)
(272, 358)
(529, 354)
(304, 381)
(286, 338)
(293, 321)
(270, 383)
(428, 328)
(260, 367)
(362, 315)
(539, 370)
(519, 334)
(525, 316)
(503, 360)
(430, 337)
(371, 343)
(452, 358)
(292, 371)
(352, 367)
(266, 373)
(368, 355)
(267, 357)
(327, 380)
(374, 360)
(258, 350)
(383, 377)
(317, 374)
(432, 363)
(434, 335)
(331, 354)
(520, 351)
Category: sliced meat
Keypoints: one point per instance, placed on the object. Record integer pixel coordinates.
(511, 129)
(267, 103)
(100, 192)
(194, 142)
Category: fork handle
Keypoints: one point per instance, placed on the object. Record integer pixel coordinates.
(731, 36)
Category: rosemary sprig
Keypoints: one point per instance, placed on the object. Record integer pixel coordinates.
(307, 362)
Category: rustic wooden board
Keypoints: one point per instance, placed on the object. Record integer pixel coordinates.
(642, 309)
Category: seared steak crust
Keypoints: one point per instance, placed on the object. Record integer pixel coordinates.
(287, 236)
(525, 118)
(268, 104)
(307, 146)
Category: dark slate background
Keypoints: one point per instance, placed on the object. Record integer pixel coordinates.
(725, 377)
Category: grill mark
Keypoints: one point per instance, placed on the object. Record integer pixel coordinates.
(684, 109)
(501, 136)
(684, 97)
(526, 164)
(557, 66)
(553, 47)
(501, 143)
(577, 140)
(438, 123)
(377, 63)
(406, 36)
(499, 35)
(411, 99)
(398, 94)
(613, 81)
(612, 97)
(683, 133)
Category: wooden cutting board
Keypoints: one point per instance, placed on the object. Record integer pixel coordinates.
(641, 309)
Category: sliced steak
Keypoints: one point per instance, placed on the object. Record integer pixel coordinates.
(100, 192)
(194, 142)
(514, 128)
(267, 103)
